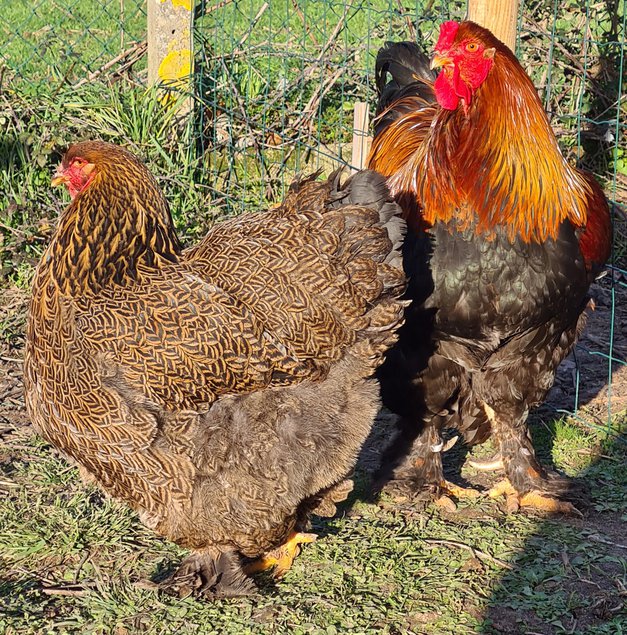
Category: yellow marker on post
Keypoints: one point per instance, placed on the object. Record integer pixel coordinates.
(170, 54)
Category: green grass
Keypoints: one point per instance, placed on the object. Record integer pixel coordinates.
(72, 561)
(46, 42)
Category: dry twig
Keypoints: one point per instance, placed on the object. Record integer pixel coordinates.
(71, 591)
(476, 553)
(131, 55)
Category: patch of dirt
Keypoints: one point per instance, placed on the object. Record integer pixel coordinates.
(13, 305)
(598, 398)
(597, 595)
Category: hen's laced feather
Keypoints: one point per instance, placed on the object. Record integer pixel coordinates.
(219, 388)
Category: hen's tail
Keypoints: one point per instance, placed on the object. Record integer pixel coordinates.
(401, 71)
(368, 229)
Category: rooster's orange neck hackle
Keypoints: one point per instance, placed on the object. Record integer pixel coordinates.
(489, 156)
(119, 222)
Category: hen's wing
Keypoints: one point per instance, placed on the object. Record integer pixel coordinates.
(265, 299)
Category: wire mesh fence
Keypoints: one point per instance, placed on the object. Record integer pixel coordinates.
(278, 83)
(275, 87)
(49, 43)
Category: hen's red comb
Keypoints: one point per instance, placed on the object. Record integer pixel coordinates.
(448, 31)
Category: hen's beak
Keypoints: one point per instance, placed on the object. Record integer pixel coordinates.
(59, 177)
(438, 61)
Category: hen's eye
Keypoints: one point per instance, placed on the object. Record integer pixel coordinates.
(471, 47)
(78, 162)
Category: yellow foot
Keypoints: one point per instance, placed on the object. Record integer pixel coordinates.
(449, 490)
(534, 499)
(282, 557)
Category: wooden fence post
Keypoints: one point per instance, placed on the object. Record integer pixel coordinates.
(361, 139)
(500, 16)
(170, 55)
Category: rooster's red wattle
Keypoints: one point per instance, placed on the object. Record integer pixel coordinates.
(506, 239)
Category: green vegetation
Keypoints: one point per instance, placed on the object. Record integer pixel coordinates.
(48, 43)
(75, 562)
(274, 93)
(274, 97)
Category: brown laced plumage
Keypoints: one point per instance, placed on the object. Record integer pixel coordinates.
(222, 389)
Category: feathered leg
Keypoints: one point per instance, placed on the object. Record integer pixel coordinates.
(527, 483)
(322, 504)
(325, 502)
(212, 573)
(418, 474)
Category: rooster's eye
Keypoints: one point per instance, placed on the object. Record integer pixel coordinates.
(78, 162)
(471, 47)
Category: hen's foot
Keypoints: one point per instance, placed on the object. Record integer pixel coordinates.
(282, 557)
(535, 499)
(213, 575)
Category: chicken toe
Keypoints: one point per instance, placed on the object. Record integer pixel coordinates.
(534, 499)
(448, 492)
(211, 574)
(282, 557)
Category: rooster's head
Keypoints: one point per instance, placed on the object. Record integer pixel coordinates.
(465, 53)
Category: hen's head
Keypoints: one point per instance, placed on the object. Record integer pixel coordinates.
(465, 53)
(85, 160)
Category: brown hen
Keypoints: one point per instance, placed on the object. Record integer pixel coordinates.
(223, 391)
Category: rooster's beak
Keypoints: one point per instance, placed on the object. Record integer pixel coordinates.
(59, 177)
(438, 61)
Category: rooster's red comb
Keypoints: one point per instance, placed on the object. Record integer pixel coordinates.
(448, 31)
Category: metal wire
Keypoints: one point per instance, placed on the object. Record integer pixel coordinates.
(276, 82)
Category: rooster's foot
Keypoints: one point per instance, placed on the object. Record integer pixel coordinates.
(534, 499)
(282, 557)
(448, 492)
(443, 494)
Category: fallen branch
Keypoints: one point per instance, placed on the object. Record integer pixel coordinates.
(476, 553)
(314, 66)
(136, 51)
(410, 25)
(301, 15)
(603, 541)
(215, 7)
(312, 105)
(73, 590)
(253, 24)
(244, 114)
(329, 45)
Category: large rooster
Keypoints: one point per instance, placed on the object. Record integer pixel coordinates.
(505, 239)
(223, 391)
